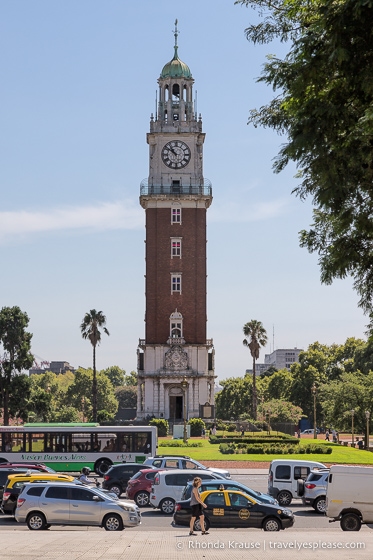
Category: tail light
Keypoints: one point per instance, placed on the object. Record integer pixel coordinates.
(310, 486)
(20, 502)
(177, 507)
(106, 477)
(6, 496)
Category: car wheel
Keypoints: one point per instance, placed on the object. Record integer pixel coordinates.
(113, 522)
(271, 524)
(350, 522)
(320, 504)
(36, 522)
(167, 506)
(142, 498)
(284, 498)
(197, 524)
(300, 487)
(102, 466)
(116, 489)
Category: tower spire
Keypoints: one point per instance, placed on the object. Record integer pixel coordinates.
(176, 33)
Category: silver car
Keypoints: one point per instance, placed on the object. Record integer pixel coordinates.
(313, 489)
(41, 505)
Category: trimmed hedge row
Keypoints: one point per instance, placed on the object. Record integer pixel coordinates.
(179, 443)
(254, 440)
(260, 449)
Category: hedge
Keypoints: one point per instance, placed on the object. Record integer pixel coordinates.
(272, 449)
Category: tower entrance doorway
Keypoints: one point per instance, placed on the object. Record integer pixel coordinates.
(176, 408)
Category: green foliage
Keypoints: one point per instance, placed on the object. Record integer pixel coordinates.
(272, 449)
(126, 396)
(161, 424)
(179, 443)
(323, 103)
(196, 426)
(66, 414)
(234, 399)
(255, 337)
(115, 374)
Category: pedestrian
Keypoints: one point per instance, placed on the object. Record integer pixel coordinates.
(203, 433)
(197, 506)
(299, 433)
(327, 435)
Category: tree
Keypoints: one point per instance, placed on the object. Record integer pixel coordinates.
(79, 394)
(16, 345)
(116, 375)
(323, 103)
(255, 337)
(90, 328)
(126, 396)
(235, 397)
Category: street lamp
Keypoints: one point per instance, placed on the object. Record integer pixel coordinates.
(352, 427)
(184, 385)
(314, 391)
(367, 414)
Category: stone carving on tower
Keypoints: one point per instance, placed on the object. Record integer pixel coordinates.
(175, 359)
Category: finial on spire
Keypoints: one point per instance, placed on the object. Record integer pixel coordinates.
(176, 33)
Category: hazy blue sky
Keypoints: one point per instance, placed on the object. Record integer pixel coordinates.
(78, 85)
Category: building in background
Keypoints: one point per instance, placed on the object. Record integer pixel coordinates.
(175, 359)
(282, 358)
(54, 367)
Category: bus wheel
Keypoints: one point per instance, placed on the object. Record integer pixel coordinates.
(102, 466)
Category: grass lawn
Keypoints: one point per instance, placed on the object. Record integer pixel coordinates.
(210, 452)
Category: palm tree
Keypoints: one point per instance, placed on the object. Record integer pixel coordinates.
(90, 328)
(255, 337)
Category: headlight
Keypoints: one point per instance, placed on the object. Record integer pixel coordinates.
(126, 508)
(287, 512)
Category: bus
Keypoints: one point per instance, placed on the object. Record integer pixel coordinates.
(70, 447)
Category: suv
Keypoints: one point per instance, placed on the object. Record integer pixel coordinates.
(116, 478)
(41, 505)
(168, 486)
(313, 489)
(283, 478)
(17, 481)
(231, 485)
(181, 462)
(33, 466)
(140, 486)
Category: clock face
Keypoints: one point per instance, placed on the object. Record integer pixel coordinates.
(176, 154)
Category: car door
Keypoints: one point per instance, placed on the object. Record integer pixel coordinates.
(85, 507)
(216, 510)
(242, 512)
(55, 504)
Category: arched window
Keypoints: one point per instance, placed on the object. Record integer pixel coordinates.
(176, 325)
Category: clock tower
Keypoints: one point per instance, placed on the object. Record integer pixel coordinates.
(175, 359)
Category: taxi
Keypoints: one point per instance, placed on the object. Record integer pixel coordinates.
(16, 482)
(230, 508)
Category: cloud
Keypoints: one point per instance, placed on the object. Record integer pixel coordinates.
(104, 216)
(255, 212)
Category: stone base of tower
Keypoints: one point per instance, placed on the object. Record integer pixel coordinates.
(175, 382)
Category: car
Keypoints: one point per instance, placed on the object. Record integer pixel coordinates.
(181, 462)
(33, 466)
(41, 505)
(310, 431)
(313, 489)
(140, 486)
(117, 477)
(283, 478)
(234, 509)
(4, 473)
(17, 481)
(228, 485)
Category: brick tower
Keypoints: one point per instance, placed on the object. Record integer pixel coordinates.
(175, 360)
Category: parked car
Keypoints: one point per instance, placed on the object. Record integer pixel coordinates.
(283, 478)
(42, 505)
(310, 431)
(313, 489)
(181, 462)
(33, 466)
(16, 482)
(4, 473)
(117, 477)
(228, 485)
(168, 486)
(140, 486)
(230, 508)
(349, 496)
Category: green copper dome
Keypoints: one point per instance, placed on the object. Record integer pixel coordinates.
(176, 68)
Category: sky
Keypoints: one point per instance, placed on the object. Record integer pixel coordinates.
(78, 86)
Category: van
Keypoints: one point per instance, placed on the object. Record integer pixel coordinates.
(349, 496)
(283, 478)
(168, 486)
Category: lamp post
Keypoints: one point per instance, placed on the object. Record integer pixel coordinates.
(314, 391)
(184, 385)
(367, 415)
(352, 427)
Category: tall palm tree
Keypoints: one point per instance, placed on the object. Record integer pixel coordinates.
(255, 337)
(90, 328)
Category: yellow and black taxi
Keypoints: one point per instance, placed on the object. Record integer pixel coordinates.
(16, 482)
(228, 508)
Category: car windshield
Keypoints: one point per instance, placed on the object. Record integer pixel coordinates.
(106, 494)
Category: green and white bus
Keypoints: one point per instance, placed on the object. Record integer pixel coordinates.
(69, 447)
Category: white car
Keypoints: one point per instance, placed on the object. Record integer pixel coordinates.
(310, 431)
(181, 462)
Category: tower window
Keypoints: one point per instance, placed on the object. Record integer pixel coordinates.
(175, 247)
(176, 283)
(176, 325)
(176, 215)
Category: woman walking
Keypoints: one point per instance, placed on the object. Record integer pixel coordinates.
(197, 506)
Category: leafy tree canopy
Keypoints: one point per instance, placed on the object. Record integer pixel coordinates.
(324, 104)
